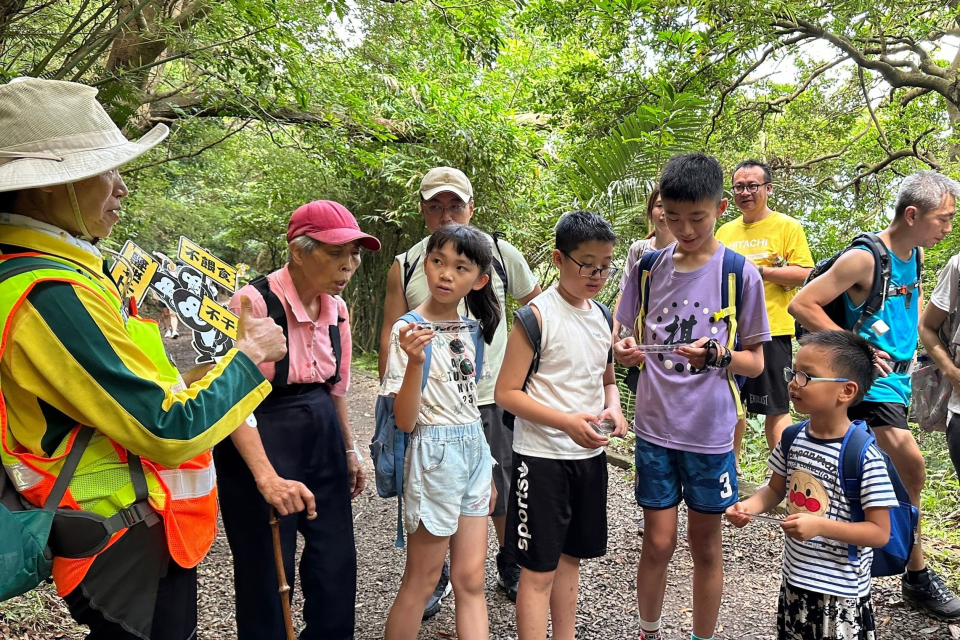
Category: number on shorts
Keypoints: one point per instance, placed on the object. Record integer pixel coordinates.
(727, 490)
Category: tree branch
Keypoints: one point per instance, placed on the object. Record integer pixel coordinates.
(893, 75)
(743, 76)
(830, 156)
(907, 152)
(192, 154)
(884, 142)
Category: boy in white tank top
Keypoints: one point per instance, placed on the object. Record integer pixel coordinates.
(557, 507)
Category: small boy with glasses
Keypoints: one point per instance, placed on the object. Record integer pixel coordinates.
(557, 507)
(824, 594)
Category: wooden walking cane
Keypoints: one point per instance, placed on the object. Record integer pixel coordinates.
(281, 575)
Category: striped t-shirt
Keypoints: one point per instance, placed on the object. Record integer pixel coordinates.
(813, 486)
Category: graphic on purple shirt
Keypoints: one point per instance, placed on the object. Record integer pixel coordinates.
(676, 409)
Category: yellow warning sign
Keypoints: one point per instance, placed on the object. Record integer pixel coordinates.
(219, 317)
(208, 264)
(134, 273)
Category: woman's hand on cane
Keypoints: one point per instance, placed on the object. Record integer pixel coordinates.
(287, 496)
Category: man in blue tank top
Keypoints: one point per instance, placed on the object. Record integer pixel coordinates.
(923, 215)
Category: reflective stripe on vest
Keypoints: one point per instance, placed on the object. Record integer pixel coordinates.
(184, 484)
(184, 497)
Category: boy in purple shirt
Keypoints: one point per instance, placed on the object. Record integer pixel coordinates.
(686, 406)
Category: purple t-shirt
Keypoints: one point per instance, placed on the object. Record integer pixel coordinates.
(676, 409)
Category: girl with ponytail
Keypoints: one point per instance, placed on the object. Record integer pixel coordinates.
(448, 489)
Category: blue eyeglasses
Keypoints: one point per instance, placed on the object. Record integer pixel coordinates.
(803, 379)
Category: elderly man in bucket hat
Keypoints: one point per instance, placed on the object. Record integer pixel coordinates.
(301, 458)
(81, 371)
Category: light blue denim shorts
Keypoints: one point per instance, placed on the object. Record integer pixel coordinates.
(446, 475)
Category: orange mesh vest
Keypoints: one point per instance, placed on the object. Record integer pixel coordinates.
(185, 497)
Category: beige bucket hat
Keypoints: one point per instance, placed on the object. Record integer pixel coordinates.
(55, 132)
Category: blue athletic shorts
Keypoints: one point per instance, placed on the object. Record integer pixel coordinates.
(707, 482)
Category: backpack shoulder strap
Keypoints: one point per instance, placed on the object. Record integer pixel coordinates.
(409, 268)
(731, 300)
(644, 266)
(528, 320)
(733, 264)
(881, 275)
(500, 265)
(276, 311)
(853, 453)
(413, 316)
(607, 315)
(337, 350)
(788, 436)
(609, 318)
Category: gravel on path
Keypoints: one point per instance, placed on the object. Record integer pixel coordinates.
(607, 607)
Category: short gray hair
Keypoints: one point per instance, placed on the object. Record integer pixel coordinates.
(306, 244)
(925, 190)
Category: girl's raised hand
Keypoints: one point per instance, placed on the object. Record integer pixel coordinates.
(414, 340)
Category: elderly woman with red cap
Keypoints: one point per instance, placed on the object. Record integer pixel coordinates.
(300, 458)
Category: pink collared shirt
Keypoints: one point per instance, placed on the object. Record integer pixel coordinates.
(311, 354)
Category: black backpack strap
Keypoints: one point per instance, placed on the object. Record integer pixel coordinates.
(608, 316)
(69, 467)
(881, 276)
(498, 265)
(337, 350)
(276, 311)
(140, 510)
(408, 270)
(528, 320)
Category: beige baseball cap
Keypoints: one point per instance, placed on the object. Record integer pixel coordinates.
(446, 179)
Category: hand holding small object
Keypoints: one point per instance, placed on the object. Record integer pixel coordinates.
(413, 341)
(801, 526)
(695, 353)
(577, 426)
(617, 424)
(737, 516)
(625, 352)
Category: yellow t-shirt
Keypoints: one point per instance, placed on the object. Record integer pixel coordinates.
(775, 237)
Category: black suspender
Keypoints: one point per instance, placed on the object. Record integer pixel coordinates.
(276, 311)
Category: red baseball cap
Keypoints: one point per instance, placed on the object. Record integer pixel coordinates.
(329, 222)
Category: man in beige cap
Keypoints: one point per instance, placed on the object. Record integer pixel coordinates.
(446, 197)
(93, 416)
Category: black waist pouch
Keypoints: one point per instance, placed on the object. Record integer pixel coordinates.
(81, 534)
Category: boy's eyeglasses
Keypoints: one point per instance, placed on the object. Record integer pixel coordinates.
(588, 270)
(751, 188)
(461, 362)
(802, 378)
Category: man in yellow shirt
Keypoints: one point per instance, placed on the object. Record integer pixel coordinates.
(778, 247)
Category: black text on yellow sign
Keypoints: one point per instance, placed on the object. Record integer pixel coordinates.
(219, 317)
(134, 273)
(208, 264)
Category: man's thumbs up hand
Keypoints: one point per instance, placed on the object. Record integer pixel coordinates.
(260, 338)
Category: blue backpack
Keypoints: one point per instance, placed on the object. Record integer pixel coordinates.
(389, 444)
(891, 560)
